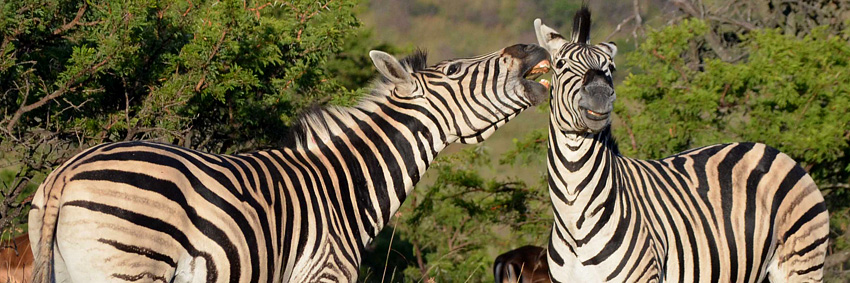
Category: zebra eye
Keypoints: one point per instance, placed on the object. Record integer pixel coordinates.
(453, 68)
(560, 63)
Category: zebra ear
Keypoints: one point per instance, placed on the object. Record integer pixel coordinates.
(548, 37)
(390, 67)
(393, 71)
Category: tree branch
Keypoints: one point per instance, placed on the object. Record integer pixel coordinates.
(59, 92)
(73, 22)
(711, 37)
(619, 26)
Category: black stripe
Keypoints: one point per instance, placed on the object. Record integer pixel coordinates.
(274, 187)
(343, 206)
(756, 175)
(149, 253)
(817, 243)
(727, 196)
(140, 276)
(171, 191)
(807, 217)
(687, 220)
(358, 185)
(326, 202)
(700, 160)
(810, 269)
(791, 179)
(384, 162)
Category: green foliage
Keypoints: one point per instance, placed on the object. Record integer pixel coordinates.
(790, 93)
(231, 71)
(221, 76)
(9, 179)
(460, 221)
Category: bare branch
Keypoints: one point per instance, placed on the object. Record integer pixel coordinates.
(638, 19)
(73, 22)
(10, 125)
(745, 25)
(619, 26)
(836, 185)
(711, 37)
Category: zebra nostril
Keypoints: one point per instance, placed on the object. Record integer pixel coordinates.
(599, 89)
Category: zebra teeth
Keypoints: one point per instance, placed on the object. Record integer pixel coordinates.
(591, 112)
(542, 67)
(538, 70)
(545, 83)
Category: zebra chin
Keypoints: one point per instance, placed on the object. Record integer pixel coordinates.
(595, 107)
(535, 92)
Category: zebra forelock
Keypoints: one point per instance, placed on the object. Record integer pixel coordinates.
(581, 26)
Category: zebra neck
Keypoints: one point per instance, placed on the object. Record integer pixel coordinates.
(582, 169)
(381, 147)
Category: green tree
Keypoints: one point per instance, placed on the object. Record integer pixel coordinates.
(220, 76)
(456, 224)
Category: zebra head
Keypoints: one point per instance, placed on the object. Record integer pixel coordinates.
(468, 98)
(583, 95)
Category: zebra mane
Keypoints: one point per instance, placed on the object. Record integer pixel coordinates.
(581, 26)
(611, 141)
(313, 120)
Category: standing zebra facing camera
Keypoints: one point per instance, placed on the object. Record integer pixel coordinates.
(739, 212)
(156, 212)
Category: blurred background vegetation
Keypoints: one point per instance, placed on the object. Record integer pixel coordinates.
(228, 76)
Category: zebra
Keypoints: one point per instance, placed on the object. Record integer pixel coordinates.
(148, 211)
(736, 212)
(526, 264)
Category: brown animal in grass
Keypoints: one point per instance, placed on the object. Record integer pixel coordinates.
(526, 264)
(16, 260)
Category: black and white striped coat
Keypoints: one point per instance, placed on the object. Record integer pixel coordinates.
(142, 211)
(740, 212)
